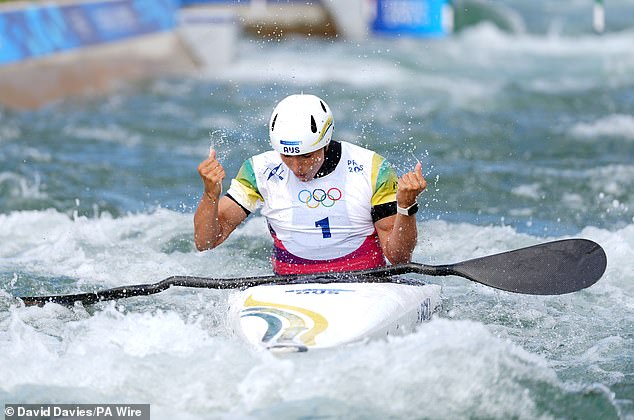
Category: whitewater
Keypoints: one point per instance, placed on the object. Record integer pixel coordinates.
(524, 138)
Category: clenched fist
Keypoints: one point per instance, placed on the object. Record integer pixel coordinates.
(410, 185)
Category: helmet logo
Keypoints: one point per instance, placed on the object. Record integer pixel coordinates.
(290, 146)
(324, 130)
(290, 150)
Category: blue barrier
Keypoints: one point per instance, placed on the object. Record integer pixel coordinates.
(37, 31)
(410, 17)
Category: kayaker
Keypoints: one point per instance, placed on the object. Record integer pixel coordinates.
(329, 205)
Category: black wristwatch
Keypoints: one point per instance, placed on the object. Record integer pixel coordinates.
(409, 211)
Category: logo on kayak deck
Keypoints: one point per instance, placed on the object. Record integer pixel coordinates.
(320, 197)
(424, 311)
(318, 291)
(287, 326)
(277, 172)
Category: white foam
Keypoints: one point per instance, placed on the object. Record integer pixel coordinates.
(528, 190)
(19, 186)
(50, 243)
(8, 132)
(573, 200)
(468, 69)
(616, 125)
(462, 356)
(104, 352)
(142, 349)
(110, 134)
(145, 356)
(54, 244)
(613, 179)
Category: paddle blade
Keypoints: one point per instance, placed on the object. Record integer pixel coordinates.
(553, 268)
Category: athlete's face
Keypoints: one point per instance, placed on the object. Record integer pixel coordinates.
(306, 166)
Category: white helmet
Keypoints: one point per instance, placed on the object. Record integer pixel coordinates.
(300, 124)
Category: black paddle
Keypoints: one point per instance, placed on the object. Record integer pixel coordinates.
(552, 268)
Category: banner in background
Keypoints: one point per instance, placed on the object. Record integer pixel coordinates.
(37, 31)
(412, 17)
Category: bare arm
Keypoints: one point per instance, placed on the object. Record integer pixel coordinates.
(213, 223)
(215, 217)
(397, 233)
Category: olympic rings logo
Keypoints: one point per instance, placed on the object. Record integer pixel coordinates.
(319, 197)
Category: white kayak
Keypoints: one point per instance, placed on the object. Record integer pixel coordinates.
(299, 317)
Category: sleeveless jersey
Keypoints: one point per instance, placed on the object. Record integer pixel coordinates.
(324, 224)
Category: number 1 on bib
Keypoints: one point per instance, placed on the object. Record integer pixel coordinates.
(324, 224)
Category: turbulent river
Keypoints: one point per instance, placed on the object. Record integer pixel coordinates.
(524, 138)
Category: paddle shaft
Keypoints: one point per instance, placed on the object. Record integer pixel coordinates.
(546, 269)
(381, 275)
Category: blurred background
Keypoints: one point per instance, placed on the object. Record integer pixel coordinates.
(503, 99)
(41, 42)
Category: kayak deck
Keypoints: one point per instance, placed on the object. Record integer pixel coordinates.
(286, 318)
